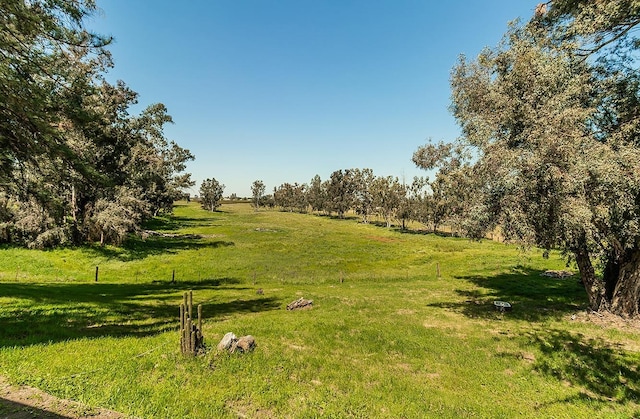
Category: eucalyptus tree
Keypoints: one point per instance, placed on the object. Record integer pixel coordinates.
(416, 205)
(211, 194)
(387, 196)
(317, 194)
(155, 163)
(341, 190)
(550, 145)
(363, 198)
(257, 190)
(291, 197)
(284, 197)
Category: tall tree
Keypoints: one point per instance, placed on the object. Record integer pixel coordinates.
(363, 198)
(257, 189)
(553, 125)
(48, 61)
(72, 159)
(341, 191)
(387, 196)
(317, 194)
(211, 194)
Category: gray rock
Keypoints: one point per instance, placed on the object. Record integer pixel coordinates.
(244, 344)
(227, 342)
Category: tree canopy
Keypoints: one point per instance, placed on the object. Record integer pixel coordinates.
(211, 194)
(74, 165)
(550, 141)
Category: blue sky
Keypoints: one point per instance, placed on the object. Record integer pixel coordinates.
(283, 90)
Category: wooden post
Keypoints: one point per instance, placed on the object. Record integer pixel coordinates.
(437, 270)
(182, 328)
(181, 316)
(191, 338)
(96, 274)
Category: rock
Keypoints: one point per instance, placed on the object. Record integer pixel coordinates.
(227, 342)
(300, 303)
(244, 344)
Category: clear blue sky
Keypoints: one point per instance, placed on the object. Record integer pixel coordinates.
(283, 90)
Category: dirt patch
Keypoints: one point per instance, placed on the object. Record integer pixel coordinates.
(22, 402)
(606, 320)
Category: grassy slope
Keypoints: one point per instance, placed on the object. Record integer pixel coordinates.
(392, 340)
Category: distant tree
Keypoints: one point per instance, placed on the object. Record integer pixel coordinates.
(291, 197)
(283, 197)
(363, 197)
(317, 194)
(388, 194)
(300, 197)
(257, 189)
(267, 201)
(211, 194)
(341, 191)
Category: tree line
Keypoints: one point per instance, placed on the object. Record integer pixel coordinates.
(356, 190)
(549, 150)
(75, 165)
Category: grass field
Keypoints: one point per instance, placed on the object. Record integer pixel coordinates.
(386, 337)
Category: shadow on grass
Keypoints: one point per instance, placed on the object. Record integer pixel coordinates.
(533, 297)
(136, 248)
(424, 232)
(603, 372)
(174, 222)
(38, 313)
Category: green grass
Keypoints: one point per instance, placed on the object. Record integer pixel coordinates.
(391, 340)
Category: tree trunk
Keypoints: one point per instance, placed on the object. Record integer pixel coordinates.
(625, 297)
(592, 284)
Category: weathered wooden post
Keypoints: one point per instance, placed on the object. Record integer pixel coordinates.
(437, 270)
(96, 274)
(191, 339)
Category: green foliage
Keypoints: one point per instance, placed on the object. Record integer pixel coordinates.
(211, 194)
(549, 150)
(341, 191)
(68, 146)
(257, 190)
(388, 195)
(291, 197)
(392, 340)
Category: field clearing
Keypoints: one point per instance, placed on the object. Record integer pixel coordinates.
(386, 337)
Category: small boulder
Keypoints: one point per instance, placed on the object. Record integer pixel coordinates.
(244, 344)
(227, 342)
